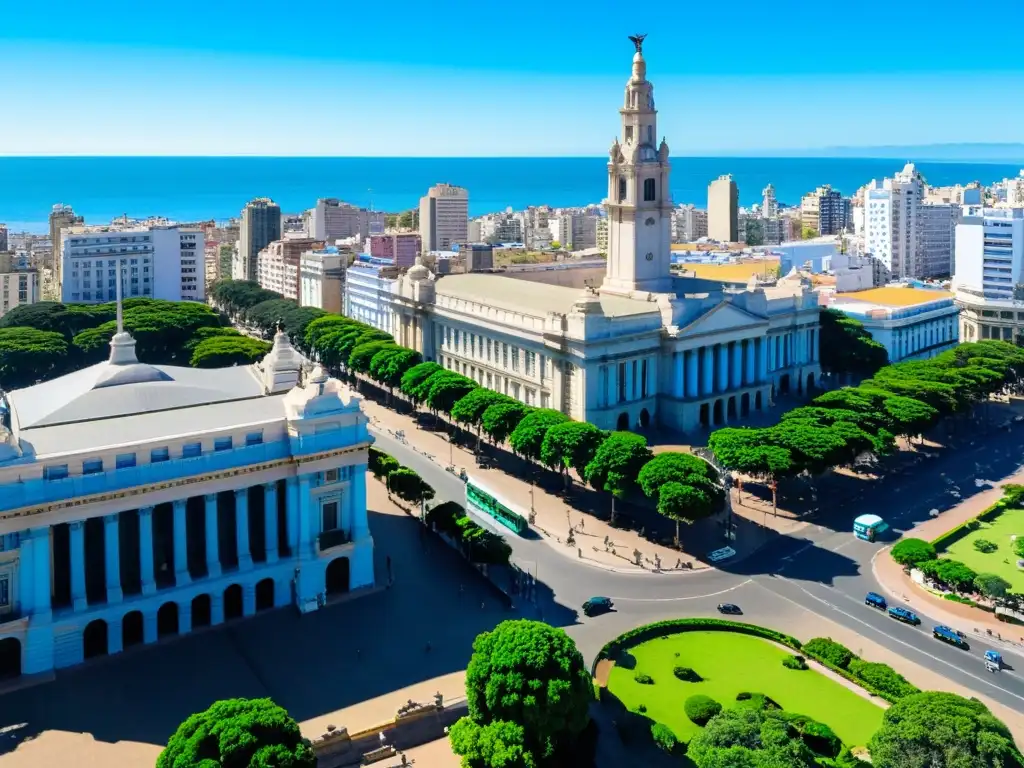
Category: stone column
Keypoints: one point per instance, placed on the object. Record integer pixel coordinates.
(305, 523)
(112, 555)
(184, 617)
(692, 382)
(114, 633)
(629, 381)
(146, 550)
(78, 565)
(762, 359)
(772, 342)
(359, 517)
(749, 370)
(270, 519)
(679, 385)
(708, 385)
(736, 367)
(212, 537)
(249, 599)
(149, 633)
(242, 528)
(42, 570)
(723, 367)
(291, 500)
(181, 574)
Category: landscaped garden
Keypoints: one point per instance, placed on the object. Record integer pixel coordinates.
(729, 664)
(989, 548)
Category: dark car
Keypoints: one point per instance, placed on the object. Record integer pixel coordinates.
(596, 605)
(875, 600)
(729, 608)
(904, 615)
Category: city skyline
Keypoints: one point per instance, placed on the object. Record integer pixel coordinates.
(234, 84)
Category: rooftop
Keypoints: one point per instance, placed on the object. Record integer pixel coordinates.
(738, 272)
(894, 296)
(532, 298)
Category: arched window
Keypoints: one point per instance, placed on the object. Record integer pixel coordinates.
(649, 190)
(622, 188)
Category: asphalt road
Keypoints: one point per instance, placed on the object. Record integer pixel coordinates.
(823, 569)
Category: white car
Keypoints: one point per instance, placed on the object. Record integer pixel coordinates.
(721, 554)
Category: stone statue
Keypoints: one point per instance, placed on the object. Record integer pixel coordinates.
(638, 41)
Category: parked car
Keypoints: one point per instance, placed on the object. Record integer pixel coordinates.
(730, 608)
(904, 615)
(596, 605)
(875, 600)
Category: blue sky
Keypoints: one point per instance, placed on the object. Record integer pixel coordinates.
(462, 78)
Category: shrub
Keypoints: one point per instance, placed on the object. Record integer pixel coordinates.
(985, 546)
(756, 701)
(663, 737)
(955, 598)
(701, 708)
(686, 674)
(883, 678)
(910, 552)
(643, 679)
(794, 662)
(1018, 546)
(743, 696)
(828, 650)
(674, 626)
(820, 739)
(641, 708)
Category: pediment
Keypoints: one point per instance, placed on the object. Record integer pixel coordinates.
(723, 318)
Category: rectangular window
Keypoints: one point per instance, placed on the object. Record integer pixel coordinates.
(191, 450)
(159, 454)
(643, 379)
(504, 356)
(329, 516)
(92, 466)
(125, 460)
(622, 383)
(489, 350)
(515, 358)
(331, 476)
(222, 444)
(55, 472)
(254, 438)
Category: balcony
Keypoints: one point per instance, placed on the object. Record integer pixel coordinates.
(331, 539)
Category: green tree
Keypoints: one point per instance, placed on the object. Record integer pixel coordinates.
(413, 378)
(617, 463)
(470, 408)
(361, 356)
(28, 356)
(955, 574)
(746, 737)
(446, 390)
(685, 503)
(992, 585)
(684, 487)
(530, 674)
(528, 437)
(381, 464)
(237, 296)
(496, 745)
(746, 451)
(225, 351)
(409, 219)
(238, 733)
(500, 419)
(571, 445)
(935, 728)
(407, 485)
(202, 334)
(911, 552)
(847, 348)
(390, 364)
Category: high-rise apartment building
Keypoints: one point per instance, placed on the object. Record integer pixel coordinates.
(769, 204)
(332, 219)
(162, 261)
(689, 223)
(892, 221)
(19, 282)
(277, 265)
(723, 210)
(577, 231)
(989, 274)
(260, 226)
(938, 239)
(825, 211)
(3, 238)
(61, 216)
(444, 217)
(401, 247)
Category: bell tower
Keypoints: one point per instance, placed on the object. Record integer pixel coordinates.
(639, 202)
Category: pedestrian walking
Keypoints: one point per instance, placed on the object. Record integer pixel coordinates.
(582, 523)
(383, 739)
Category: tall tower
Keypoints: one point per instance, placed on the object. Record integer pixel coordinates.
(769, 206)
(639, 202)
(261, 225)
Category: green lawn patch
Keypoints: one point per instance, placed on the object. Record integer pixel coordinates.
(731, 663)
(1003, 561)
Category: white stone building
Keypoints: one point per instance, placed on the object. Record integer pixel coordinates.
(19, 282)
(990, 273)
(369, 290)
(322, 279)
(645, 348)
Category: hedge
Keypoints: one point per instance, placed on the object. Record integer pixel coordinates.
(700, 708)
(674, 626)
(877, 679)
(1013, 496)
(479, 544)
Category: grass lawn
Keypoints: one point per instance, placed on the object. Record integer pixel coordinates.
(731, 663)
(1003, 561)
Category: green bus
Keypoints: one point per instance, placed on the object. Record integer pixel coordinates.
(485, 502)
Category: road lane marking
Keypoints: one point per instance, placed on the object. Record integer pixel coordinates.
(675, 599)
(886, 634)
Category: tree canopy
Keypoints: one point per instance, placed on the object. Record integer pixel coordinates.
(501, 419)
(238, 733)
(224, 351)
(239, 295)
(937, 728)
(911, 552)
(529, 674)
(846, 347)
(747, 737)
(407, 485)
(571, 445)
(528, 436)
(28, 356)
(617, 463)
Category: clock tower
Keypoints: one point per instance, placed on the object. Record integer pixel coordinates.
(639, 203)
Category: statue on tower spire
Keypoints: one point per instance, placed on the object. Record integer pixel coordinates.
(638, 41)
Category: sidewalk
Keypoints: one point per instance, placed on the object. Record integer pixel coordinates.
(966, 618)
(553, 516)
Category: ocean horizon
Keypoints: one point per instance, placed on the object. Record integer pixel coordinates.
(201, 188)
